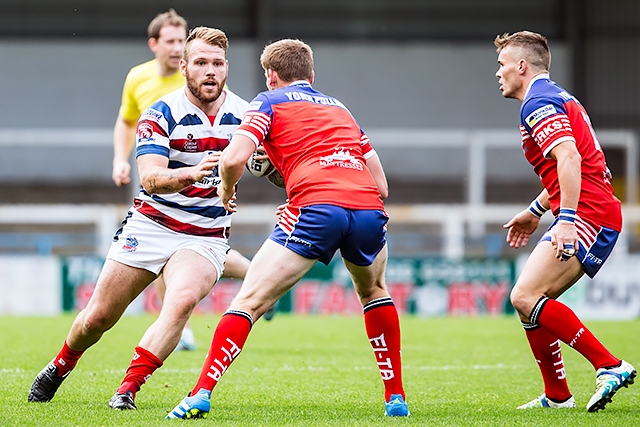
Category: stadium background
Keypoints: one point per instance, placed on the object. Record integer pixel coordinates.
(419, 77)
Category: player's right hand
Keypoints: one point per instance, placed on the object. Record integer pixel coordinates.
(206, 165)
(120, 173)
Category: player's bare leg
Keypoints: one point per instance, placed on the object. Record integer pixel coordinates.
(543, 279)
(235, 267)
(383, 329)
(189, 277)
(273, 271)
(117, 286)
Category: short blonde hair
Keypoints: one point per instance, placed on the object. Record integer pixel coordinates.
(166, 19)
(211, 36)
(534, 44)
(291, 59)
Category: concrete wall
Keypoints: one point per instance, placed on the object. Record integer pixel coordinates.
(77, 85)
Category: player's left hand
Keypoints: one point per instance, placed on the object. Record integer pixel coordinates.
(564, 239)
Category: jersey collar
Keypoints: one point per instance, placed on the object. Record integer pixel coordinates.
(301, 83)
(535, 79)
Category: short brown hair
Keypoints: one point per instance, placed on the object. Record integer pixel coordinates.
(169, 18)
(291, 59)
(211, 36)
(535, 44)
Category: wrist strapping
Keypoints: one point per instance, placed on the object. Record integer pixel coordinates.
(567, 214)
(537, 209)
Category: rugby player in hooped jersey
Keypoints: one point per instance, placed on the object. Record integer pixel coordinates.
(335, 184)
(177, 225)
(562, 147)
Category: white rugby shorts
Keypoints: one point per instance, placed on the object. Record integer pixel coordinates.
(143, 243)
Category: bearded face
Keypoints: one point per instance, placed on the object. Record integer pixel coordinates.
(206, 89)
(205, 70)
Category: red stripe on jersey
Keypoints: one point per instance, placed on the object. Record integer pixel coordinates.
(199, 145)
(204, 193)
(175, 225)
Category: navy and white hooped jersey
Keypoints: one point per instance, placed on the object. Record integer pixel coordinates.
(175, 128)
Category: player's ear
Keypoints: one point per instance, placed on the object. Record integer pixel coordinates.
(313, 75)
(153, 43)
(522, 66)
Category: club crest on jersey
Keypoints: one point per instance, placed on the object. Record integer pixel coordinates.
(342, 159)
(540, 113)
(145, 132)
(130, 244)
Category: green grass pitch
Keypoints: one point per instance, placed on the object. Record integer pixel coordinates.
(315, 371)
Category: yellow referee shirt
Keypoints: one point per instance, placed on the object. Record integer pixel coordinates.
(143, 86)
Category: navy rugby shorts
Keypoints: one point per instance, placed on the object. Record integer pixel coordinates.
(595, 244)
(318, 231)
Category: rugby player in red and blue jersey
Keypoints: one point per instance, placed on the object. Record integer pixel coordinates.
(561, 145)
(335, 184)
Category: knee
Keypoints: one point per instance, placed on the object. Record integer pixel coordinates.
(97, 321)
(183, 303)
(521, 301)
(369, 293)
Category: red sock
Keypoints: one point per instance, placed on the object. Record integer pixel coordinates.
(66, 360)
(143, 364)
(562, 322)
(228, 339)
(383, 329)
(546, 350)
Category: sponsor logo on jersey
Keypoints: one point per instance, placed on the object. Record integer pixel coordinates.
(542, 133)
(210, 181)
(150, 113)
(145, 132)
(341, 158)
(130, 244)
(190, 146)
(255, 105)
(539, 114)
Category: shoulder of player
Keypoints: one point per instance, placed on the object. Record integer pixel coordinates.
(542, 96)
(142, 71)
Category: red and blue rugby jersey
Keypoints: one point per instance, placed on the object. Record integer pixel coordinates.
(550, 116)
(317, 146)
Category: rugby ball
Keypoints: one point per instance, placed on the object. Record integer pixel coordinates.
(259, 167)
